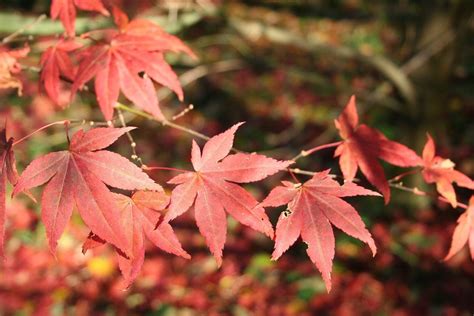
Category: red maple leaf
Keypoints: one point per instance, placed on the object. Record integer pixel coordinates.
(7, 172)
(312, 207)
(212, 189)
(55, 62)
(117, 64)
(363, 145)
(463, 232)
(139, 216)
(66, 11)
(441, 171)
(80, 175)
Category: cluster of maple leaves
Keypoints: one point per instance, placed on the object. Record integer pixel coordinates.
(129, 60)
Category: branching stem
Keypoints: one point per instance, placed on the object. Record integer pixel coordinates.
(305, 153)
(392, 183)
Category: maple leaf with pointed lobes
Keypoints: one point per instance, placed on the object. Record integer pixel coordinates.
(66, 11)
(212, 189)
(80, 175)
(117, 64)
(441, 171)
(363, 145)
(7, 172)
(464, 232)
(139, 216)
(314, 206)
(55, 62)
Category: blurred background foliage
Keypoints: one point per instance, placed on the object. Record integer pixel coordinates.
(286, 68)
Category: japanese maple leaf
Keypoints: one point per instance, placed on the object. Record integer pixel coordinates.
(463, 232)
(117, 64)
(7, 172)
(312, 207)
(66, 11)
(55, 62)
(441, 171)
(9, 67)
(139, 216)
(211, 189)
(363, 145)
(79, 176)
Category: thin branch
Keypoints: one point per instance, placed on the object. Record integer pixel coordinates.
(432, 49)
(183, 112)
(305, 153)
(164, 122)
(395, 185)
(292, 171)
(25, 28)
(163, 168)
(133, 144)
(64, 122)
(202, 71)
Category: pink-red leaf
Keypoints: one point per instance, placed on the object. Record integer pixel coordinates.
(129, 61)
(80, 175)
(57, 203)
(312, 207)
(55, 62)
(211, 193)
(97, 138)
(116, 171)
(65, 10)
(211, 221)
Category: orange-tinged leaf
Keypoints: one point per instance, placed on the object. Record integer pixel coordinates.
(441, 171)
(151, 199)
(140, 221)
(9, 67)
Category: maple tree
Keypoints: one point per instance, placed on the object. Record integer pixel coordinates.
(123, 206)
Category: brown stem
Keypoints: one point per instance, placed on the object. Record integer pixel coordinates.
(40, 129)
(305, 153)
(25, 28)
(163, 168)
